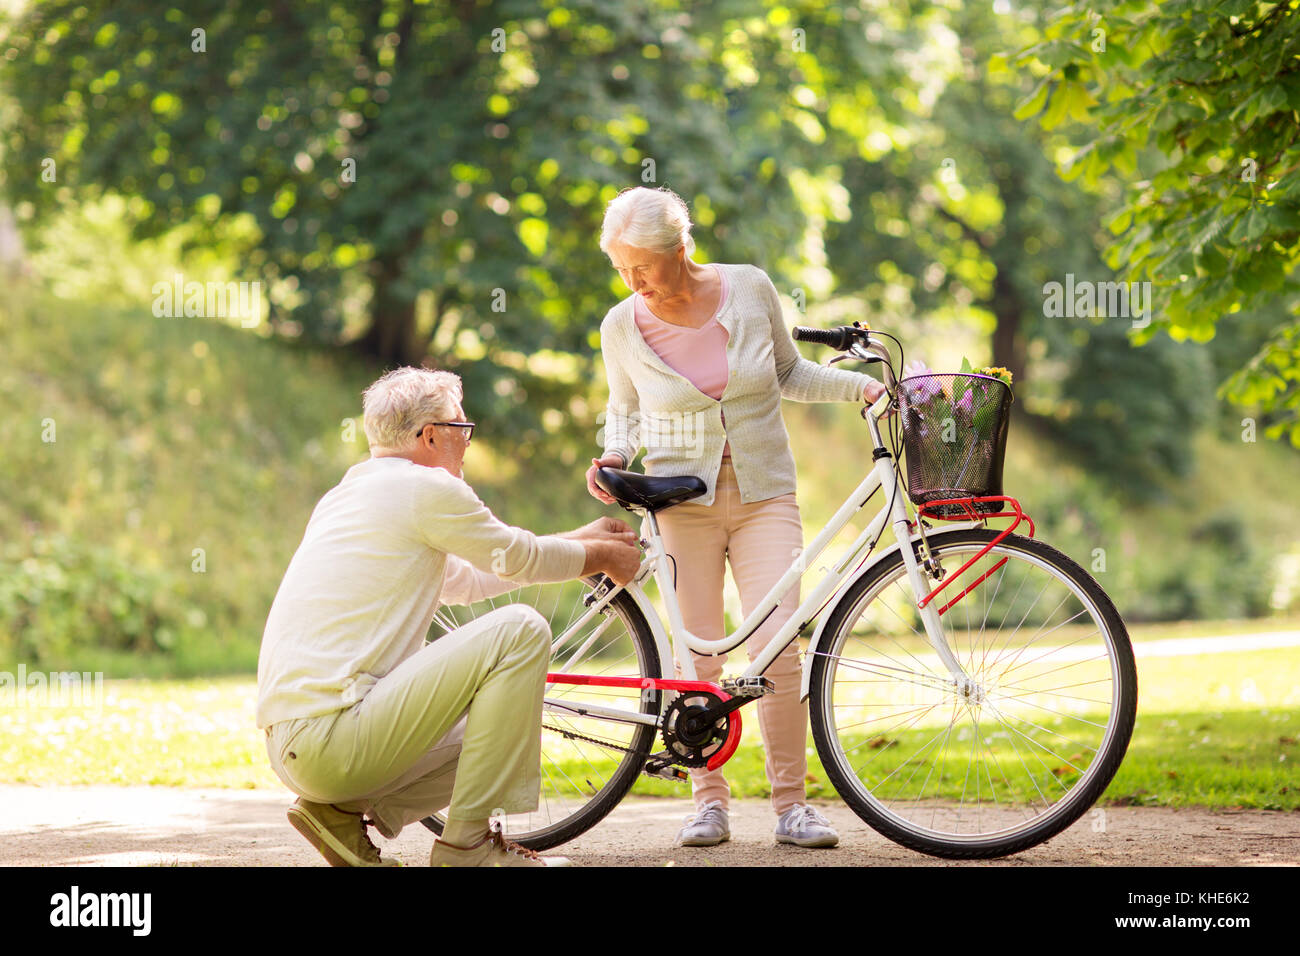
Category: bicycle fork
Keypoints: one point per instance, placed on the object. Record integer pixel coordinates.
(964, 684)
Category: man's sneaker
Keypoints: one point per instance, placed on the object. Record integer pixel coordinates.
(493, 850)
(339, 836)
(707, 827)
(804, 826)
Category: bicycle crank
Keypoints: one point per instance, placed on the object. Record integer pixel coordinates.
(693, 732)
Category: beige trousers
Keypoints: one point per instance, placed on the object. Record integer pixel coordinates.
(458, 722)
(759, 540)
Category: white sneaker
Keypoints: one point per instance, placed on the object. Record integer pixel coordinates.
(804, 826)
(707, 827)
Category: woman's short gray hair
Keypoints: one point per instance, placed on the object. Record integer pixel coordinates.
(405, 400)
(653, 219)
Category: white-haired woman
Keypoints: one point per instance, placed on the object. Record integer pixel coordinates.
(698, 359)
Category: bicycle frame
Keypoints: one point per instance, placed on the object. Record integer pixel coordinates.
(656, 562)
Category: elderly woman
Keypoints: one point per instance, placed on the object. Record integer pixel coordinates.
(705, 347)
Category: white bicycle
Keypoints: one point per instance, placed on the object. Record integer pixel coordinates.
(972, 691)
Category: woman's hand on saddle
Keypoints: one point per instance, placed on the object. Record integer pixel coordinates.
(609, 461)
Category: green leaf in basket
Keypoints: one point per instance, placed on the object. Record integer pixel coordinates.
(960, 387)
(985, 418)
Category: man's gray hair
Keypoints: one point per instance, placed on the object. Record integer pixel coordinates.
(405, 400)
(656, 220)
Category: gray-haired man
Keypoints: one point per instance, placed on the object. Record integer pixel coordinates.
(362, 718)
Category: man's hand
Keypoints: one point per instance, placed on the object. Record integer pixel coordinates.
(612, 555)
(604, 528)
(593, 489)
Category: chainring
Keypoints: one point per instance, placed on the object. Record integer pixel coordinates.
(692, 746)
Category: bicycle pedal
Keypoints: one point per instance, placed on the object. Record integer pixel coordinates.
(660, 766)
(748, 686)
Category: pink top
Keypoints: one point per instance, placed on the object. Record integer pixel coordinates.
(698, 355)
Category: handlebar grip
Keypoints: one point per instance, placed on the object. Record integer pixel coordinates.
(837, 339)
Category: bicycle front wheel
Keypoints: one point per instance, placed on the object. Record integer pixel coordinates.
(589, 760)
(1005, 759)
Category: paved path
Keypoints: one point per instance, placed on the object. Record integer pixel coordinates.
(151, 826)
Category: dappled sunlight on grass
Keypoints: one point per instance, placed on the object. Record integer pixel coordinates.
(196, 733)
(1213, 729)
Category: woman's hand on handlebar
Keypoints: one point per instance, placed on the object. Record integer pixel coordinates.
(871, 394)
(609, 461)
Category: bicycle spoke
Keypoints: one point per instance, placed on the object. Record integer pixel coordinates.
(988, 760)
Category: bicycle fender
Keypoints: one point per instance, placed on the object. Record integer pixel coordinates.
(806, 684)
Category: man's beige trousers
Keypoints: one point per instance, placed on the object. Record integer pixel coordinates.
(458, 722)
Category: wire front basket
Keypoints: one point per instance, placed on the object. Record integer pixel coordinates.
(955, 438)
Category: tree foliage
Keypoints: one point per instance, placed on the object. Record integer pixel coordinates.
(1197, 106)
(973, 214)
(485, 140)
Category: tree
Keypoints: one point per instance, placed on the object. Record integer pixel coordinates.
(1198, 106)
(444, 164)
(973, 217)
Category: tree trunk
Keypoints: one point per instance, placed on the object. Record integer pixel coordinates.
(1008, 344)
(391, 337)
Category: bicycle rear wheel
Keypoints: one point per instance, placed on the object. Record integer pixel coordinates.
(1007, 761)
(588, 762)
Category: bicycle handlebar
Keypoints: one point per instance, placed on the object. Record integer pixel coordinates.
(846, 337)
(839, 339)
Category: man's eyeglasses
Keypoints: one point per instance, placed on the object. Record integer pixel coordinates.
(469, 426)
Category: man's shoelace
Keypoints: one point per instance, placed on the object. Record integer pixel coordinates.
(510, 846)
(365, 835)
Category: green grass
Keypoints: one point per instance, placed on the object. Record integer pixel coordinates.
(1215, 730)
(179, 733)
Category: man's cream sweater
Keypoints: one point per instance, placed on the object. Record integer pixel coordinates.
(682, 429)
(382, 550)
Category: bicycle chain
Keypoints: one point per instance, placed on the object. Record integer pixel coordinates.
(591, 740)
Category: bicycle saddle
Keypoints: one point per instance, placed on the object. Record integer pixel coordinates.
(645, 491)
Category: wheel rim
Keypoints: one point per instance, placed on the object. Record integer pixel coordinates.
(1016, 751)
(575, 772)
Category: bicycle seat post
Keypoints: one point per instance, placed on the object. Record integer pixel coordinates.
(667, 582)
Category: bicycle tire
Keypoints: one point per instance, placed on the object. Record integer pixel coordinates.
(1013, 824)
(560, 818)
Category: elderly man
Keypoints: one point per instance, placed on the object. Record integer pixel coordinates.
(367, 723)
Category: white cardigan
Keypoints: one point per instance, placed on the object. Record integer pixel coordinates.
(682, 429)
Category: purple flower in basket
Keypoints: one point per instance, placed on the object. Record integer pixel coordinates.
(966, 403)
(926, 385)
